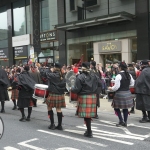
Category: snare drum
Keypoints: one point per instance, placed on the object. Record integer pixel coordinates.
(112, 83)
(132, 89)
(111, 95)
(40, 91)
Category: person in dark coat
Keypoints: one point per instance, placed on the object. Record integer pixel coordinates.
(25, 86)
(35, 75)
(4, 84)
(123, 97)
(132, 71)
(142, 90)
(85, 87)
(97, 72)
(56, 98)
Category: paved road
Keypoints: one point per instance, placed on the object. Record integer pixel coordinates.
(35, 135)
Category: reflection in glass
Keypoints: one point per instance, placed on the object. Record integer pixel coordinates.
(19, 18)
(3, 23)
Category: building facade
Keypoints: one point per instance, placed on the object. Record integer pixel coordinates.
(66, 30)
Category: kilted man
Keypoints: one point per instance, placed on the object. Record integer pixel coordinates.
(142, 90)
(4, 84)
(86, 86)
(123, 98)
(25, 86)
(97, 72)
(56, 99)
(15, 91)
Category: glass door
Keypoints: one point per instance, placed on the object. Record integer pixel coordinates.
(46, 60)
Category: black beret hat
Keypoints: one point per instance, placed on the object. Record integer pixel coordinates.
(123, 65)
(86, 65)
(57, 65)
(93, 63)
(144, 62)
(130, 65)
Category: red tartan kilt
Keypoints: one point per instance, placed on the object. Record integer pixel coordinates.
(14, 94)
(56, 100)
(87, 106)
(74, 97)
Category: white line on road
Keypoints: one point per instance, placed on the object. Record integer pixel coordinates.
(10, 148)
(67, 148)
(100, 137)
(72, 138)
(30, 146)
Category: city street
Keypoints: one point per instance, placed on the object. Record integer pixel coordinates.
(35, 135)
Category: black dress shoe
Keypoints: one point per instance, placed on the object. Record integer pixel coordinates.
(121, 124)
(132, 111)
(27, 119)
(14, 108)
(52, 127)
(144, 120)
(23, 119)
(88, 134)
(2, 111)
(59, 128)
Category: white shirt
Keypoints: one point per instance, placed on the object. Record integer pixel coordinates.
(117, 82)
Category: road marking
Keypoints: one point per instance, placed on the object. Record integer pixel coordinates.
(100, 137)
(10, 148)
(67, 148)
(30, 146)
(72, 138)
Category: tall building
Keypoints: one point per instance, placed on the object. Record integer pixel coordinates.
(66, 30)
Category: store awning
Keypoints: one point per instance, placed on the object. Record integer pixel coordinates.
(122, 16)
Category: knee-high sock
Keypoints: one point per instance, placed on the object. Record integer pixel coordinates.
(144, 114)
(2, 104)
(59, 115)
(22, 112)
(88, 124)
(14, 101)
(51, 116)
(29, 111)
(125, 114)
(119, 114)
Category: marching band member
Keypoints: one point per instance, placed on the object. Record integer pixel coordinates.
(15, 92)
(35, 75)
(86, 86)
(25, 86)
(97, 72)
(56, 98)
(4, 84)
(123, 98)
(142, 89)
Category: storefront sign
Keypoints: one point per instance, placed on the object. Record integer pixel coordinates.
(21, 40)
(4, 53)
(20, 52)
(36, 25)
(48, 36)
(111, 46)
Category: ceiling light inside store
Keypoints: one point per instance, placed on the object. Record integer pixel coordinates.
(116, 39)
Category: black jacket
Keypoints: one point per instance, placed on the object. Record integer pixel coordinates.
(85, 84)
(133, 73)
(142, 83)
(56, 84)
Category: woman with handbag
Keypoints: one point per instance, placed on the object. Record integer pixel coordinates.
(123, 98)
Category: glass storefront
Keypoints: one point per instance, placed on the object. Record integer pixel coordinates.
(3, 37)
(84, 45)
